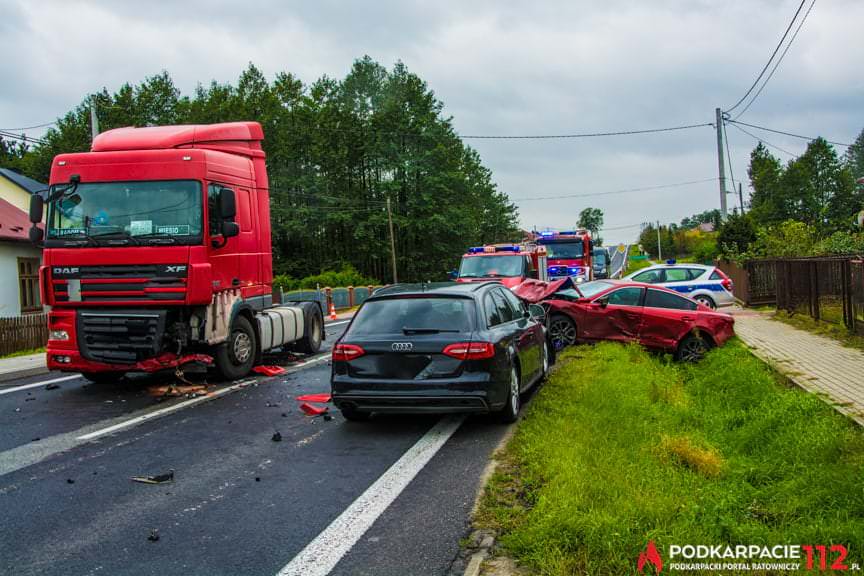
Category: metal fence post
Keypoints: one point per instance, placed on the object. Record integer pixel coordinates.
(350, 296)
(328, 295)
(813, 272)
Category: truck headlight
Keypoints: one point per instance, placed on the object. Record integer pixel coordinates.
(58, 335)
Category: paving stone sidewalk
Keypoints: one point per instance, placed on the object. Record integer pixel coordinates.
(816, 363)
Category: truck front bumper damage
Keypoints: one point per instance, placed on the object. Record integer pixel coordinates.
(71, 361)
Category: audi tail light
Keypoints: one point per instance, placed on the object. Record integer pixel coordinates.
(470, 350)
(347, 352)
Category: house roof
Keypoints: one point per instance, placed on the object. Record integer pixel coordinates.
(22, 181)
(14, 223)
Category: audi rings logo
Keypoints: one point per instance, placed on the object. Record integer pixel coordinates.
(402, 346)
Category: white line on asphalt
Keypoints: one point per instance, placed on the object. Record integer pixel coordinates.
(37, 384)
(188, 403)
(322, 554)
(336, 323)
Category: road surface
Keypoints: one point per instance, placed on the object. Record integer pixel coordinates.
(389, 496)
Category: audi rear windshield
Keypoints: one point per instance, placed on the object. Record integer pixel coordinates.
(413, 315)
(124, 213)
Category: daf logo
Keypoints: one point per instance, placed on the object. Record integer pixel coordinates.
(402, 346)
(175, 268)
(65, 270)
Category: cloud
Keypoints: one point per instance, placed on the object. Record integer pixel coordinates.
(501, 67)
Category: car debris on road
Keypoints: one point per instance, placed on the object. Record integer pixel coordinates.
(157, 479)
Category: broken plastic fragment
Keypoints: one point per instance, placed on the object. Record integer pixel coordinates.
(269, 370)
(158, 479)
(317, 398)
(277, 437)
(312, 410)
(154, 535)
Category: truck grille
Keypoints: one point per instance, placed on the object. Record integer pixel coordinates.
(122, 337)
(158, 282)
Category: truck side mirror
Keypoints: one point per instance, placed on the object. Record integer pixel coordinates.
(230, 229)
(36, 208)
(227, 204)
(453, 274)
(35, 235)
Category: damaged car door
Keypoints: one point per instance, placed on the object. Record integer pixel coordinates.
(616, 315)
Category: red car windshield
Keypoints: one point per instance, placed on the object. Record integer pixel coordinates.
(492, 266)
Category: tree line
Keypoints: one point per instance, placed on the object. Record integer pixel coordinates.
(337, 150)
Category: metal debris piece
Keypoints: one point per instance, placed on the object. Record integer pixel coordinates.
(158, 479)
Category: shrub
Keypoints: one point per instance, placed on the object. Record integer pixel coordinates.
(347, 276)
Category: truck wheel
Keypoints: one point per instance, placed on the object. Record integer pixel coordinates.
(311, 341)
(103, 377)
(235, 357)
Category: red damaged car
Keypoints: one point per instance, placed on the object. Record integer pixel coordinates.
(656, 317)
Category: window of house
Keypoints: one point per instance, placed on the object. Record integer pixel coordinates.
(28, 285)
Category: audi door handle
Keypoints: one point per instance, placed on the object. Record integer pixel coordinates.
(687, 318)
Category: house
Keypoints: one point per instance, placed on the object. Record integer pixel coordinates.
(19, 259)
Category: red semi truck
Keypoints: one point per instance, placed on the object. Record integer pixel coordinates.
(157, 254)
(512, 264)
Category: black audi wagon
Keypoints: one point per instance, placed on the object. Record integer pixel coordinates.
(440, 348)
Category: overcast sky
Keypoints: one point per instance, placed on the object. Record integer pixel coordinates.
(500, 68)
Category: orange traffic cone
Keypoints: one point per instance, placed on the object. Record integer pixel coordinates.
(332, 311)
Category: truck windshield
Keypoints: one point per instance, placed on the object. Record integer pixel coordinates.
(570, 250)
(168, 211)
(492, 266)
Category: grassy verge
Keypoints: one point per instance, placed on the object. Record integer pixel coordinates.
(837, 331)
(633, 265)
(24, 353)
(622, 447)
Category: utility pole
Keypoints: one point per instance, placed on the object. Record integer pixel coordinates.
(94, 120)
(659, 249)
(741, 197)
(721, 163)
(392, 242)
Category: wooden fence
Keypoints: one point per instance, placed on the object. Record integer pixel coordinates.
(23, 333)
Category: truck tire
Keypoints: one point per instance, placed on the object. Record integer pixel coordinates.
(103, 377)
(314, 333)
(236, 356)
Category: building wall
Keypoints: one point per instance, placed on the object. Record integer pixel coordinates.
(10, 301)
(15, 195)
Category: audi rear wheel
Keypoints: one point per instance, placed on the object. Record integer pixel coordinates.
(510, 412)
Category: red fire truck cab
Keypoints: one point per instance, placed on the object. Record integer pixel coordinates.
(569, 253)
(510, 263)
(157, 253)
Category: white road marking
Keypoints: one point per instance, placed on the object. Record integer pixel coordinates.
(33, 453)
(37, 384)
(322, 554)
(336, 323)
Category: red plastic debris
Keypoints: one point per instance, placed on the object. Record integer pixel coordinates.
(312, 410)
(316, 398)
(269, 370)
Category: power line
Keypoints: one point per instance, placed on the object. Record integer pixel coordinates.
(582, 135)
(620, 227)
(768, 63)
(624, 191)
(20, 137)
(779, 60)
(810, 138)
(728, 155)
(763, 141)
(29, 127)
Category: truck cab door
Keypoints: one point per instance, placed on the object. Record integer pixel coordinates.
(222, 251)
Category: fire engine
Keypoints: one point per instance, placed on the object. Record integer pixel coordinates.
(510, 263)
(569, 253)
(157, 254)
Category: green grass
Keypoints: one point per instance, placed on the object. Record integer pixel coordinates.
(633, 265)
(621, 447)
(24, 353)
(833, 329)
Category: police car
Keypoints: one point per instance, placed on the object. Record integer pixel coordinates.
(706, 284)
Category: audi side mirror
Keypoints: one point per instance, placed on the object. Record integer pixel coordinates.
(227, 204)
(37, 206)
(537, 312)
